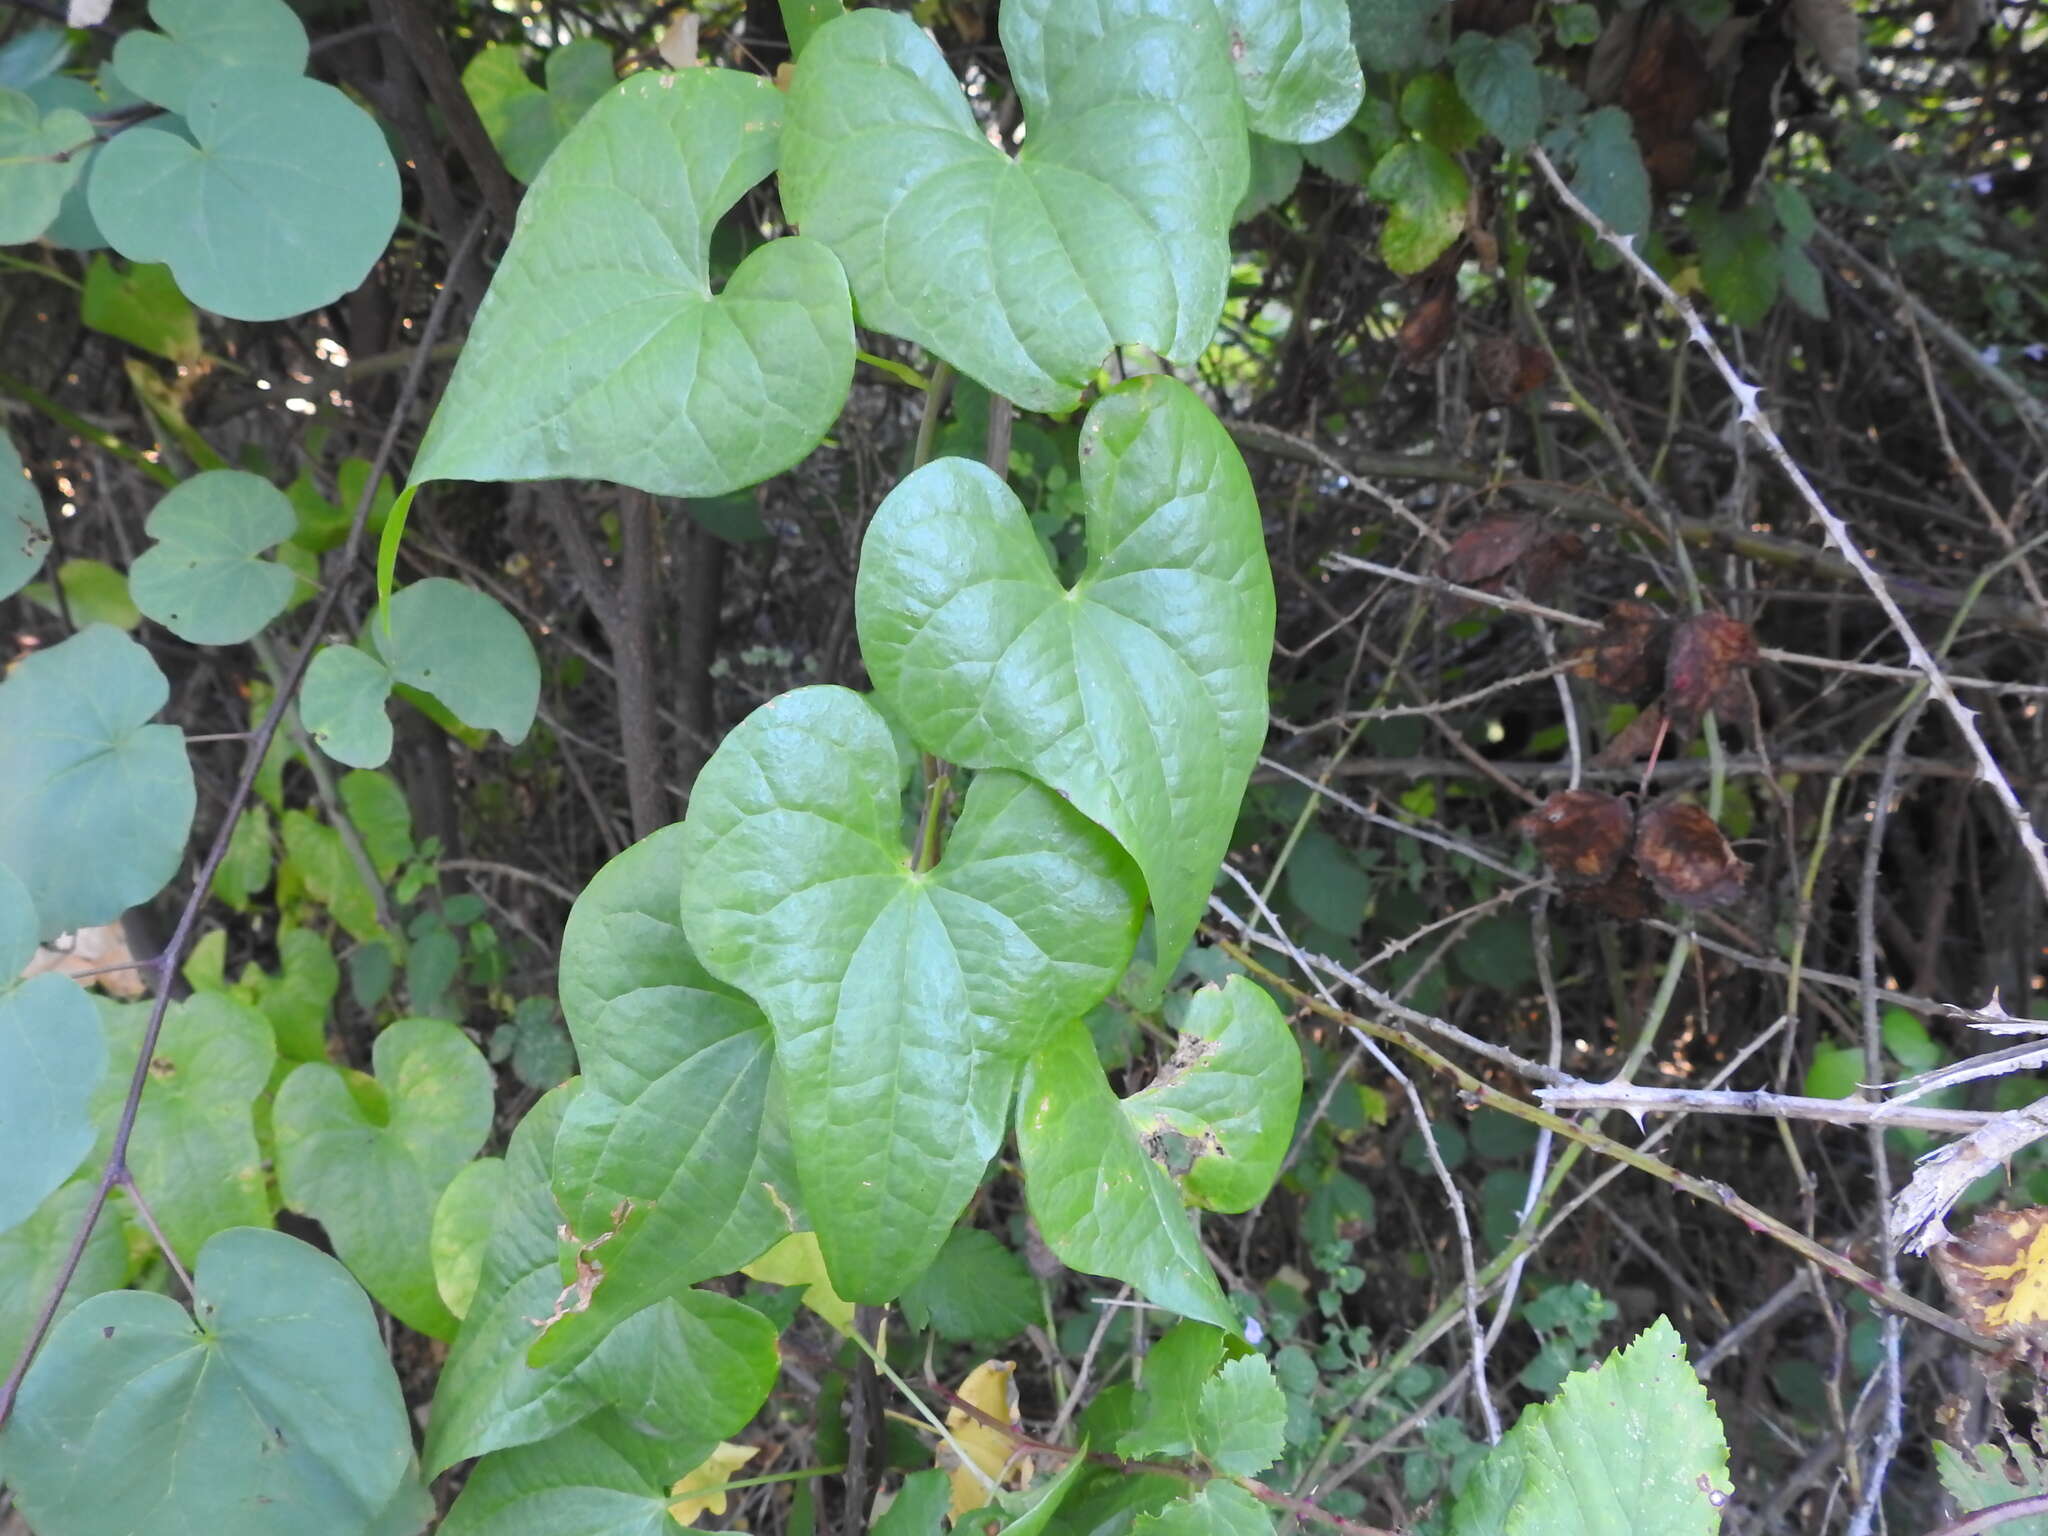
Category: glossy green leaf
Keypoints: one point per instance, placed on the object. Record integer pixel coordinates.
(448, 640)
(524, 121)
(275, 1413)
(194, 1152)
(1220, 1509)
(1231, 1091)
(1426, 193)
(1296, 65)
(462, 1226)
(32, 1253)
(1102, 1205)
(1431, 105)
(1276, 168)
(1110, 227)
(1608, 173)
(1240, 1425)
(680, 1124)
(601, 351)
(1497, 78)
(142, 306)
(37, 164)
(281, 201)
(372, 1182)
(24, 528)
(1139, 694)
(976, 1289)
(51, 1058)
(597, 1478)
(205, 579)
(85, 771)
(200, 36)
(903, 1002)
(919, 1507)
(1631, 1446)
(1165, 1421)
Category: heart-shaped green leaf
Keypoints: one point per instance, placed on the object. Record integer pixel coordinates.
(601, 351)
(1231, 1091)
(903, 1001)
(524, 121)
(1140, 694)
(697, 1364)
(194, 1152)
(678, 1145)
(32, 1253)
(18, 925)
(84, 769)
(1103, 1206)
(24, 528)
(200, 36)
(451, 641)
(51, 1058)
(281, 200)
(1111, 226)
(273, 1413)
(205, 579)
(1220, 1509)
(40, 157)
(373, 1183)
(598, 1478)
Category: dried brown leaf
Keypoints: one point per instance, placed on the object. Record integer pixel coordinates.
(1504, 370)
(1488, 550)
(1428, 327)
(1835, 33)
(1707, 670)
(1666, 88)
(1685, 857)
(1627, 656)
(1580, 834)
(1624, 894)
(1996, 1273)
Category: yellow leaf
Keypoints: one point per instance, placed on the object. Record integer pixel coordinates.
(796, 1261)
(714, 1472)
(992, 1388)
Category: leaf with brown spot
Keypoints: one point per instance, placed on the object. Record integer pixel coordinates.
(1997, 1273)
(1580, 834)
(1685, 856)
(1710, 656)
(1627, 656)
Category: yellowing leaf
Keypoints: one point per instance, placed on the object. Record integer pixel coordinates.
(796, 1261)
(715, 1471)
(990, 1387)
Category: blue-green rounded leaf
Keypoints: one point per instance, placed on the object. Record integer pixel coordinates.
(1139, 694)
(466, 649)
(33, 55)
(1110, 227)
(18, 926)
(98, 801)
(462, 1225)
(601, 350)
(1608, 173)
(678, 1145)
(373, 1182)
(32, 1254)
(73, 229)
(903, 1001)
(24, 527)
(51, 1058)
(205, 579)
(281, 201)
(1102, 1205)
(40, 156)
(1231, 1091)
(201, 36)
(342, 704)
(270, 1410)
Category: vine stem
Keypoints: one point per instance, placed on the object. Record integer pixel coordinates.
(115, 1169)
(1746, 393)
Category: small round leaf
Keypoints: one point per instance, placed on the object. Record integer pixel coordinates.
(205, 579)
(342, 705)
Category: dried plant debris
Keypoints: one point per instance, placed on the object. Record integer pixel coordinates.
(1527, 553)
(1628, 656)
(1708, 670)
(1997, 1274)
(1506, 371)
(1582, 835)
(1685, 857)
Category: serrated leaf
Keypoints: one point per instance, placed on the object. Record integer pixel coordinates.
(85, 769)
(193, 1153)
(201, 36)
(1166, 1414)
(597, 1478)
(975, 1289)
(1296, 66)
(141, 306)
(1110, 227)
(601, 351)
(525, 122)
(1632, 1446)
(1609, 176)
(680, 1124)
(1220, 1509)
(275, 1414)
(1979, 1476)
(903, 1002)
(1426, 194)
(1241, 1425)
(462, 1226)
(373, 1183)
(32, 1253)
(24, 527)
(1102, 1205)
(1739, 263)
(205, 579)
(281, 201)
(51, 1058)
(38, 164)
(1140, 693)
(1497, 78)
